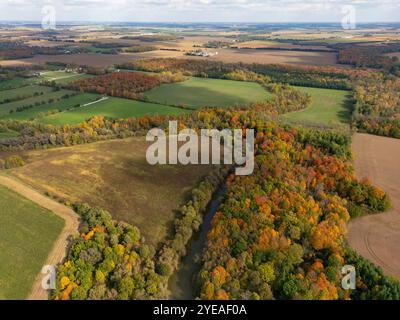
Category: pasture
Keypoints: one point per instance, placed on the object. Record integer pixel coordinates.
(26, 238)
(328, 108)
(24, 92)
(113, 108)
(63, 104)
(114, 175)
(200, 92)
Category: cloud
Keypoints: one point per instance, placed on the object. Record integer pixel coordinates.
(188, 10)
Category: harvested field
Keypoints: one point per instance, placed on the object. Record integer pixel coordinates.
(377, 237)
(116, 176)
(275, 56)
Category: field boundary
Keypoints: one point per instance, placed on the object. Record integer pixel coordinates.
(59, 250)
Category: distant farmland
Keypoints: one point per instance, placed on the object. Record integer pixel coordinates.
(27, 235)
(200, 92)
(112, 108)
(328, 108)
(116, 176)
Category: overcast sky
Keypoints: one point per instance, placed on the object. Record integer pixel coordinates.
(202, 10)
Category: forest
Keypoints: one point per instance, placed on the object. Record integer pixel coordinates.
(377, 108)
(280, 233)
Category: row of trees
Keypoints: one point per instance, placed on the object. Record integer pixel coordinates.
(16, 50)
(124, 84)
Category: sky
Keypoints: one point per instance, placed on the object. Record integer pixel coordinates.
(201, 10)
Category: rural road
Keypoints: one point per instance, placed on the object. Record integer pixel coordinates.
(59, 249)
(377, 237)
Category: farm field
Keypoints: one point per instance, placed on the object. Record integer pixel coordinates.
(12, 106)
(61, 105)
(26, 238)
(376, 237)
(276, 56)
(200, 92)
(112, 108)
(61, 77)
(328, 108)
(114, 175)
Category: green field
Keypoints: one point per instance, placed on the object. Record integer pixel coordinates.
(200, 92)
(328, 108)
(61, 105)
(7, 107)
(27, 235)
(12, 83)
(61, 77)
(21, 93)
(112, 108)
(8, 134)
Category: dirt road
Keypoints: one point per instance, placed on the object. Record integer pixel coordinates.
(377, 237)
(58, 251)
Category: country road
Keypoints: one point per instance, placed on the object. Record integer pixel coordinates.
(58, 251)
(377, 237)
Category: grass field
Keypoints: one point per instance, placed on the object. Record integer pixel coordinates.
(27, 235)
(7, 107)
(61, 77)
(12, 83)
(23, 92)
(199, 92)
(114, 175)
(61, 105)
(112, 108)
(328, 108)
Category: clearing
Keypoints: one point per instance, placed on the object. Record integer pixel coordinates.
(114, 175)
(201, 92)
(328, 108)
(377, 237)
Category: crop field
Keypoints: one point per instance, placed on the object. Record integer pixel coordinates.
(328, 108)
(116, 176)
(64, 104)
(12, 106)
(229, 55)
(26, 238)
(199, 92)
(112, 108)
(61, 77)
(24, 92)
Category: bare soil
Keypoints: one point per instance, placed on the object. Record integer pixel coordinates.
(377, 237)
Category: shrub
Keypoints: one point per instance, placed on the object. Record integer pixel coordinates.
(14, 162)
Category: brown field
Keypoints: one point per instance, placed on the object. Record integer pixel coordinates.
(114, 175)
(94, 60)
(278, 56)
(377, 237)
(274, 44)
